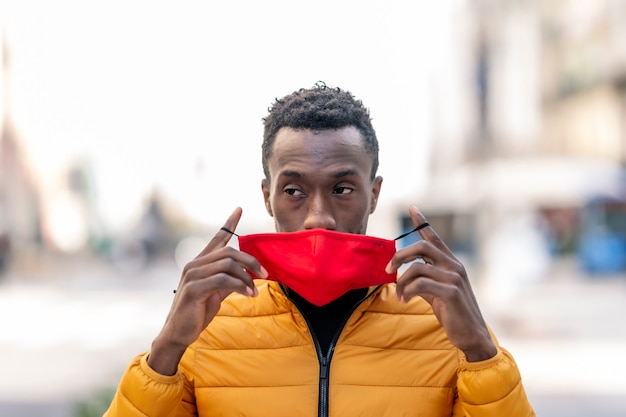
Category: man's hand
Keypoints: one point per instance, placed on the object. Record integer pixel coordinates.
(442, 281)
(206, 281)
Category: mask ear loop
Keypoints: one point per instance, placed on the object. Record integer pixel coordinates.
(226, 230)
(420, 227)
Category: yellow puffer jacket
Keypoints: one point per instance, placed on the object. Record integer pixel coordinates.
(257, 358)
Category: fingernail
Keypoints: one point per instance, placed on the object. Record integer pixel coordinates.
(251, 291)
(388, 268)
(264, 273)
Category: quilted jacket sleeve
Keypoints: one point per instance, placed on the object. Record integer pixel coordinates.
(142, 392)
(491, 388)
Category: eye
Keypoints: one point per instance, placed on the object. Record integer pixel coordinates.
(343, 190)
(293, 191)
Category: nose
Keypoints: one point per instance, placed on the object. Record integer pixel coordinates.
(319, 214)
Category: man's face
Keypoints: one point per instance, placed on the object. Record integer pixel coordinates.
(320, 180)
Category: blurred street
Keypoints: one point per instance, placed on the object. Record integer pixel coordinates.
(504, 120)
(69, 328)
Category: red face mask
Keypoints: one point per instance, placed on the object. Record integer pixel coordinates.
(321, 265)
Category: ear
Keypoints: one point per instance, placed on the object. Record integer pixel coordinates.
(377, 183)
(265, 187)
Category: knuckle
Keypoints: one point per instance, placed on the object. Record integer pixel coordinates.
(422, 244)
(187, 268)
(189, 272)
(452, 292)
(230, 265)
(427, 246)
(458, 268)
(255, 264)
(419, 286)
(416, 268)
(455, 279)
(456, 276)
(191, 289)
(228, 251)
(221, 280)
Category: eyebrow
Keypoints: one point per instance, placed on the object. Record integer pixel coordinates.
(338, 174)
(344, 173)
(292, 174)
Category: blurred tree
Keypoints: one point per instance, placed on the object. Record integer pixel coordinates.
(96, 405)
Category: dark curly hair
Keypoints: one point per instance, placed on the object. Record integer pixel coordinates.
(319, 108)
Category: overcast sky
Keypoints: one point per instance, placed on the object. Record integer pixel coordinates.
(171, 94)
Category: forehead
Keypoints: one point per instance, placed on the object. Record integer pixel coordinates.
(303, 147)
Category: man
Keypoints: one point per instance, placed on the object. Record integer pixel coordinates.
(232, 345)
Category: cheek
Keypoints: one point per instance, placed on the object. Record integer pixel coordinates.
(287, 222)
(286, 218)
(354, 215)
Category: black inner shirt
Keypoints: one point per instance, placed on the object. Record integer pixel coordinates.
(327, 320)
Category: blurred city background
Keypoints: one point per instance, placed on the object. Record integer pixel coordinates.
(129, 130)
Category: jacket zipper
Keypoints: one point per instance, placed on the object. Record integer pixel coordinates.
(322, 402)
(324, 361)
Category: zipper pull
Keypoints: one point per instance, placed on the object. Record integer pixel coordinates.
(323, 368)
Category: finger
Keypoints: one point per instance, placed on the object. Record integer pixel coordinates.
(419, 250)
(421, 286)
(227, 260)
(222, 270)
(430, 290)
(419, 272)
(428, 233)
(222, 283)
(222, 237)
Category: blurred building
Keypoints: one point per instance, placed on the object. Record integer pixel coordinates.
(584, 78)
(19, 203)
(529, 128)
(57, 210)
